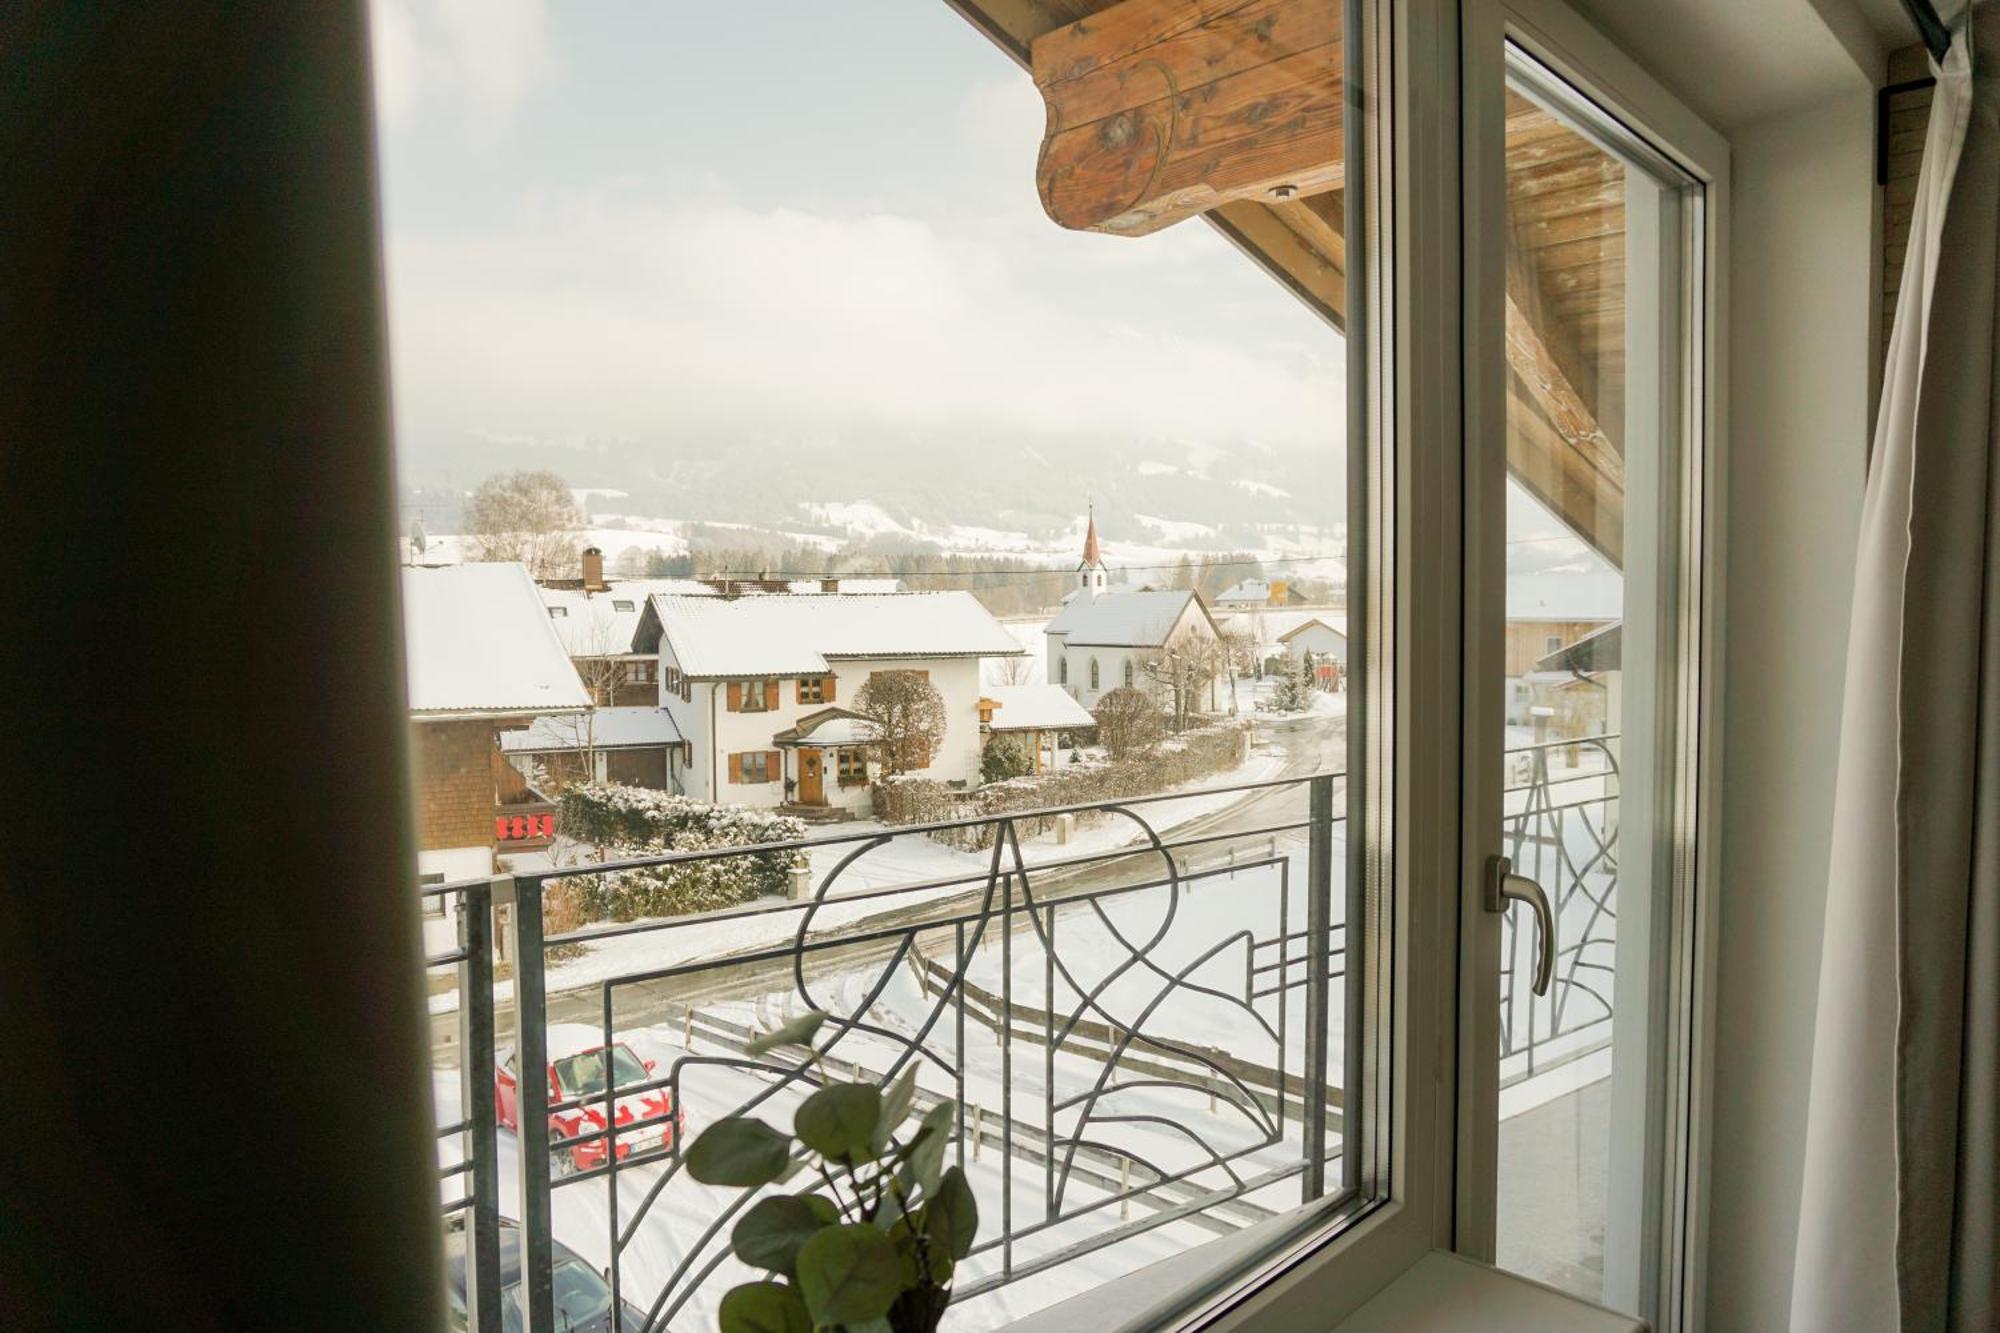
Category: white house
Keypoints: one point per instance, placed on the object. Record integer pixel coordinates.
(756, 685)
(1317, 640)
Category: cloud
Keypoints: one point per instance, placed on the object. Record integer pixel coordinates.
(478, 58)
(616, 316)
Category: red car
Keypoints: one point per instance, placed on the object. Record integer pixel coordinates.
(647, 1121)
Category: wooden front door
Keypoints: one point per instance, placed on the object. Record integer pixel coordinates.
(812, 778)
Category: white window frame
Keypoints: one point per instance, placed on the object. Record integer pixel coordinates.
(1578, 53)
(1408, 670)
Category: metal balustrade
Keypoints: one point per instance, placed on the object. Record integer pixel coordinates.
(1137, 1037)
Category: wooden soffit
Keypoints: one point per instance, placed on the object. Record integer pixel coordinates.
(1230, 110)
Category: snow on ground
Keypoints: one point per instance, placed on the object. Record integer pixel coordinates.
(905, 859)
(1176, 1132)
(1194, 987)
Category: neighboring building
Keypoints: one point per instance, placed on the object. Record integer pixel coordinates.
(1106, 634)
(1036, 716)
(596, 628)
(634, 746)
(756, 685)
(1548, 612)
(1575, 691)
(1321, 643)
(1261, 592)
(1099, 643)
(482, 660)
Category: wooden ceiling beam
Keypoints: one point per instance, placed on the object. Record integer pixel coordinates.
(1160, 110)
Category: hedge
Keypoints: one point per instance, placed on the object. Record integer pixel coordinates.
(1184, 758)
(626, 822)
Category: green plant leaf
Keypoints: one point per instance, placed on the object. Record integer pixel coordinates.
(838, 1122)
(895, 1106)
(850, 1274)
(924, 1156)
(739, 1151)
(798, 1032)
(952, 1215)
(764, 1307)
(769, 1235)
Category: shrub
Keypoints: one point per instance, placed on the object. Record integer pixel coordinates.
(1191, 755)
(626, 822)
(1128, 722)
(1004, 758)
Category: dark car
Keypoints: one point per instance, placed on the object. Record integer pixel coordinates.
(583, 1297)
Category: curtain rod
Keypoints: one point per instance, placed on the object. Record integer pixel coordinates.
(1929, 26)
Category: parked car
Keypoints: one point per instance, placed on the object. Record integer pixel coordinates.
(583, 1297)
(578, 1061)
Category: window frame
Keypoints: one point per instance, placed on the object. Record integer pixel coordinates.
(1576, 52)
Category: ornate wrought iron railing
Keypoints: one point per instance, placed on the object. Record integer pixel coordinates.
(1142, 1037)
(1561, 830)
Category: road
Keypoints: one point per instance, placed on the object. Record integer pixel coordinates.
(1311, 745)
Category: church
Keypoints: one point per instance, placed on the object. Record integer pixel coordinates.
(1108, 636)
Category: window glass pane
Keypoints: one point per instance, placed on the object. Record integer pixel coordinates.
(1596, 313)
(942, 506)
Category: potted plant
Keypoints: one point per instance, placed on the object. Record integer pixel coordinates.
(874, 1243)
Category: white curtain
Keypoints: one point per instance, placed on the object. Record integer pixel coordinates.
(1899, 1208)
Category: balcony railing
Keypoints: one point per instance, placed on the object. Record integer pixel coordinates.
(1143, 1037)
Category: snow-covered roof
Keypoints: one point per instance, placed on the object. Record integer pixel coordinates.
(477, 640)
(848, 584)
(830, 726)
(1567, 596)
(1249, 590)
(601, 728)
(1310, 623)
(1122, 619)
(798, 634)
(1035, 708)
(601, 624)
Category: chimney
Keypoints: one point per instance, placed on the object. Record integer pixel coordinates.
(593, 570)
(829, 585)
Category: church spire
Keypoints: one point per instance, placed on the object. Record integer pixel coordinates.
(1091, 576)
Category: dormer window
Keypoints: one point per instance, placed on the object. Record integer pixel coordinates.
(558, 612)
(624, 604)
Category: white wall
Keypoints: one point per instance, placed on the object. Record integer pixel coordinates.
(1801, 363)
(957, 760)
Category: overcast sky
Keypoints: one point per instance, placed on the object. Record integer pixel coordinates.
(640, 219)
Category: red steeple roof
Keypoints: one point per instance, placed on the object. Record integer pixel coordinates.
(1090, 552)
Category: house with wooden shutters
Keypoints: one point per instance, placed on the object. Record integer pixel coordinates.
(760, 687)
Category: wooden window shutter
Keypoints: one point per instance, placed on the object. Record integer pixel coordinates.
(735, 764)
(735, 696)
(802, 689)
(773, 763)
(771, 695)
(826, 687)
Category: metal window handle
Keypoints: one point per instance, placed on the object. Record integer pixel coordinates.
(1502, 884)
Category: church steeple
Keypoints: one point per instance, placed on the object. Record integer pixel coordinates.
(1091, 576)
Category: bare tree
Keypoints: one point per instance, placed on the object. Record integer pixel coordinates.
(527, 516)
(908, 712)
(1128, 721)
(1013, 671)
(1183, 672)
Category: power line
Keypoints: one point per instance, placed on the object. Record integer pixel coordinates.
(1039, 571)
